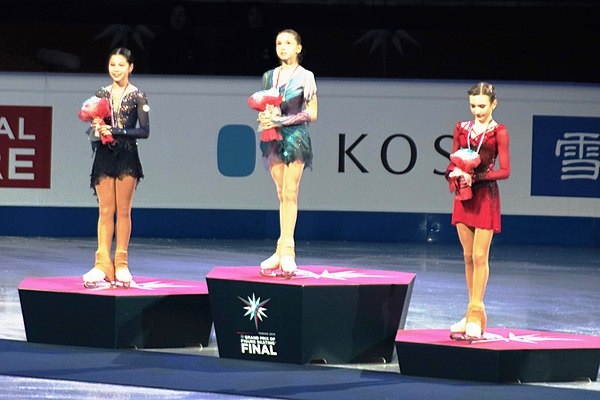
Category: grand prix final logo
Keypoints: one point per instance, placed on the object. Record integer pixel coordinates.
(259, 343)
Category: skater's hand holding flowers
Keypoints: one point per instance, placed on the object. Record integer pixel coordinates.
(104, 130)
(94, 110)
(267, 102)
(267, 118)
(461, 177)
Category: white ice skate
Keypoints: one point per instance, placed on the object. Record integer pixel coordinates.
(288, 267)
(95, 278)
(270, 266)
(123, 277)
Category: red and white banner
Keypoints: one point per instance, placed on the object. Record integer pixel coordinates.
(25, 146)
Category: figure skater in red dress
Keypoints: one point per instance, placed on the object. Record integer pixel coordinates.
(478, 218)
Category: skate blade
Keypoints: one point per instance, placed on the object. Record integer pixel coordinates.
(463, 337)
(286, 275)
(96, 284)
(121, 284)
(268, 272)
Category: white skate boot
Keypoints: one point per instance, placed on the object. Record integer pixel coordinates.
(102, 272)
(269, 266)
(122, 275)
(288, 267)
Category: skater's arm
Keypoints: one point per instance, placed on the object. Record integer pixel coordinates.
(308, 115)
(455, 147)
(503, 158)
(143, 117)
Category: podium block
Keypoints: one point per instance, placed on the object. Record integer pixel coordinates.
(510, 355)
(152, 313)
(323, 314)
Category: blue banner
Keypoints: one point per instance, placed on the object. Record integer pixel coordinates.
(565, 156)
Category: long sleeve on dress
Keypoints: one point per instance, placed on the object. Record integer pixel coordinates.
(502, 140)
(455, 147)
(134, 109)
(143, 130)
(503, 158)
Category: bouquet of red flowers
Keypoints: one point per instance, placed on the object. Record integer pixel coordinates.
(96, 107)
(465, 161)
(267, 101)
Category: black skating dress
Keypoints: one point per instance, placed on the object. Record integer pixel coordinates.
(122, 159)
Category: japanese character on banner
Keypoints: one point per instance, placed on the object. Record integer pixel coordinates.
(580, 152)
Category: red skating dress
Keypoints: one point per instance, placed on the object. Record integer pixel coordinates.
(483, 209)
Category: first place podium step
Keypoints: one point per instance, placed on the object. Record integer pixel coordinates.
(323, 314)
(152, 313)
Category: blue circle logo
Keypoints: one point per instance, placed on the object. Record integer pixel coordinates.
(236, 150)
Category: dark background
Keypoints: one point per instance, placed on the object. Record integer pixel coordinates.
(476, 40)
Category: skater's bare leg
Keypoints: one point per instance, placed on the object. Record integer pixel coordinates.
(287, 181)
(292, 175)
(125, 188)
(476, 244)
(481, 251)
(103, 267)
(268, 266)
(465, 235)
(476, 247)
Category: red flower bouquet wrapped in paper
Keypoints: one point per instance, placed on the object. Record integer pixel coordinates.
(267, 101)
(96, 107)
(465, 161)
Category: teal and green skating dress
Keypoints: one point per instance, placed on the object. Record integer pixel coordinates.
(296, 93)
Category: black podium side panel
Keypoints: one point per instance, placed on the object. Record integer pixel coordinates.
(68, 319)
(352, 324)
(506, 355)
(271, 333)
(116, 321)
(159, 322)
(178, 321)
(448, 362)
(302, 324)
(549, 365)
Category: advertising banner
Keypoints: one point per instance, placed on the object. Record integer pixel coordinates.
(25, 146)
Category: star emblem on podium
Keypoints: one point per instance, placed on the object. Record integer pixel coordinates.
(254, 308)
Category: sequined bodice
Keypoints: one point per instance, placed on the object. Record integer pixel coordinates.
(488, 151)
(296, 93)
(128, 114)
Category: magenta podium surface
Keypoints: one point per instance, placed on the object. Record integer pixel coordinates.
(510, 355)
(323, 314)
(152, 313)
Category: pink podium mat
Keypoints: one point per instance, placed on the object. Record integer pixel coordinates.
(316, 275)
(141, 286)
